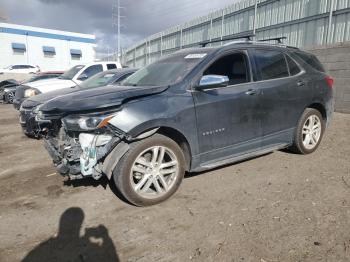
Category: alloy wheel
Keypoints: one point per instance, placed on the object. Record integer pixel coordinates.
(154, 172)
(10, 97)
(312, 131)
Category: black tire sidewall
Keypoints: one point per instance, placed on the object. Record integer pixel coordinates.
(7, 99)
(299, 136)
(121, 173)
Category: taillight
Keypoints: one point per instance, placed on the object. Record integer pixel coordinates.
(330, 81)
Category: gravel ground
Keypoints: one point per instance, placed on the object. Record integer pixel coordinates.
(278, 207)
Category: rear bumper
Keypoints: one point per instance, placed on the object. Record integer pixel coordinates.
(330, 107)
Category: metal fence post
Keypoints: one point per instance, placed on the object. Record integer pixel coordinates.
(211, 29)
(222, 25)
(255, 16)
(329, 35)
(135, 57)
(181, 39)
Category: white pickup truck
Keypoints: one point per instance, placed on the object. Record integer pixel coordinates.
(70, 78)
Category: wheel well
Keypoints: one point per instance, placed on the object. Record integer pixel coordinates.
(319, 107)
(181, 140)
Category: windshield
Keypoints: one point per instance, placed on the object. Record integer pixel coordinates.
(68, 75)
(167, 71)
(101, 79)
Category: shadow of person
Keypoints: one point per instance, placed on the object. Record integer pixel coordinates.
(94, 245)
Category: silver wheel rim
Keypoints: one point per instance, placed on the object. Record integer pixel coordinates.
(312, 130)
(154, 172)
(10, 97)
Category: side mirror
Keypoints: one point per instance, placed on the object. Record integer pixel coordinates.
(213, 81)
(83, 77)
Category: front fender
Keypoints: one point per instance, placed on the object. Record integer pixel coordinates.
(174, 111)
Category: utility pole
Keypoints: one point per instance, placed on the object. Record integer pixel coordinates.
(116, 20)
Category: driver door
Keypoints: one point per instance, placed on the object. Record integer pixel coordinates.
(228, 118)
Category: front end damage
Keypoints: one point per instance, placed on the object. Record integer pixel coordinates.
(80, 154)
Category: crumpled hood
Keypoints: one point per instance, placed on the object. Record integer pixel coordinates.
(96, 98)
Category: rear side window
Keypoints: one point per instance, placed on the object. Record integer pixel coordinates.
(311, 60)
(123, 77)
(293, 67)
(270, 64)
(111, 66)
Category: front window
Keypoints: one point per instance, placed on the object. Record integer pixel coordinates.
(167, 71)
(68, 75)
(234, 66)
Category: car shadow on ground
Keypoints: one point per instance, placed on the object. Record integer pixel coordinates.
(69, 245)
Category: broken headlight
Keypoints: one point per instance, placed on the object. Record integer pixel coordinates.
(87, 122)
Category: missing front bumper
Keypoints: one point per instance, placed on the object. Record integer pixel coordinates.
(85, 156)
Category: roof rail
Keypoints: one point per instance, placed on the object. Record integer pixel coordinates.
(247, 36)
(278, 39)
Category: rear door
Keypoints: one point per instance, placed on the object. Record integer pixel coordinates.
(280, 80)
(228, 121)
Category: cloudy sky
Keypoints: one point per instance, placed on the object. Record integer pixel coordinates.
(141, 17)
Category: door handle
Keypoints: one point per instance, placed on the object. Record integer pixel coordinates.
(251, 92)
(300, 83)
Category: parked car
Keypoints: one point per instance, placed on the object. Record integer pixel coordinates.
(29, 107)
(7, 93)
(74, 76)
(194, 110)
(8, 82)
(20, 69)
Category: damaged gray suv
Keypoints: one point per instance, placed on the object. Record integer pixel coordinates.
(194, 110)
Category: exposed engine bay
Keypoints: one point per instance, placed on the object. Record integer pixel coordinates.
(79, 155)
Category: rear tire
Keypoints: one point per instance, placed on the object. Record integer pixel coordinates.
(151, 171)
(309, 132)
(9, 98)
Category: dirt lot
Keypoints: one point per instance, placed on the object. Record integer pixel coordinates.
(279, 207)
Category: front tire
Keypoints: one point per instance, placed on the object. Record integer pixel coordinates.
(151, 171)
(309, 132)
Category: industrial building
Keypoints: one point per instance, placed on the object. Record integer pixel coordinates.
(46, 48)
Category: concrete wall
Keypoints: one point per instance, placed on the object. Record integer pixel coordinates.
(336, 59)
